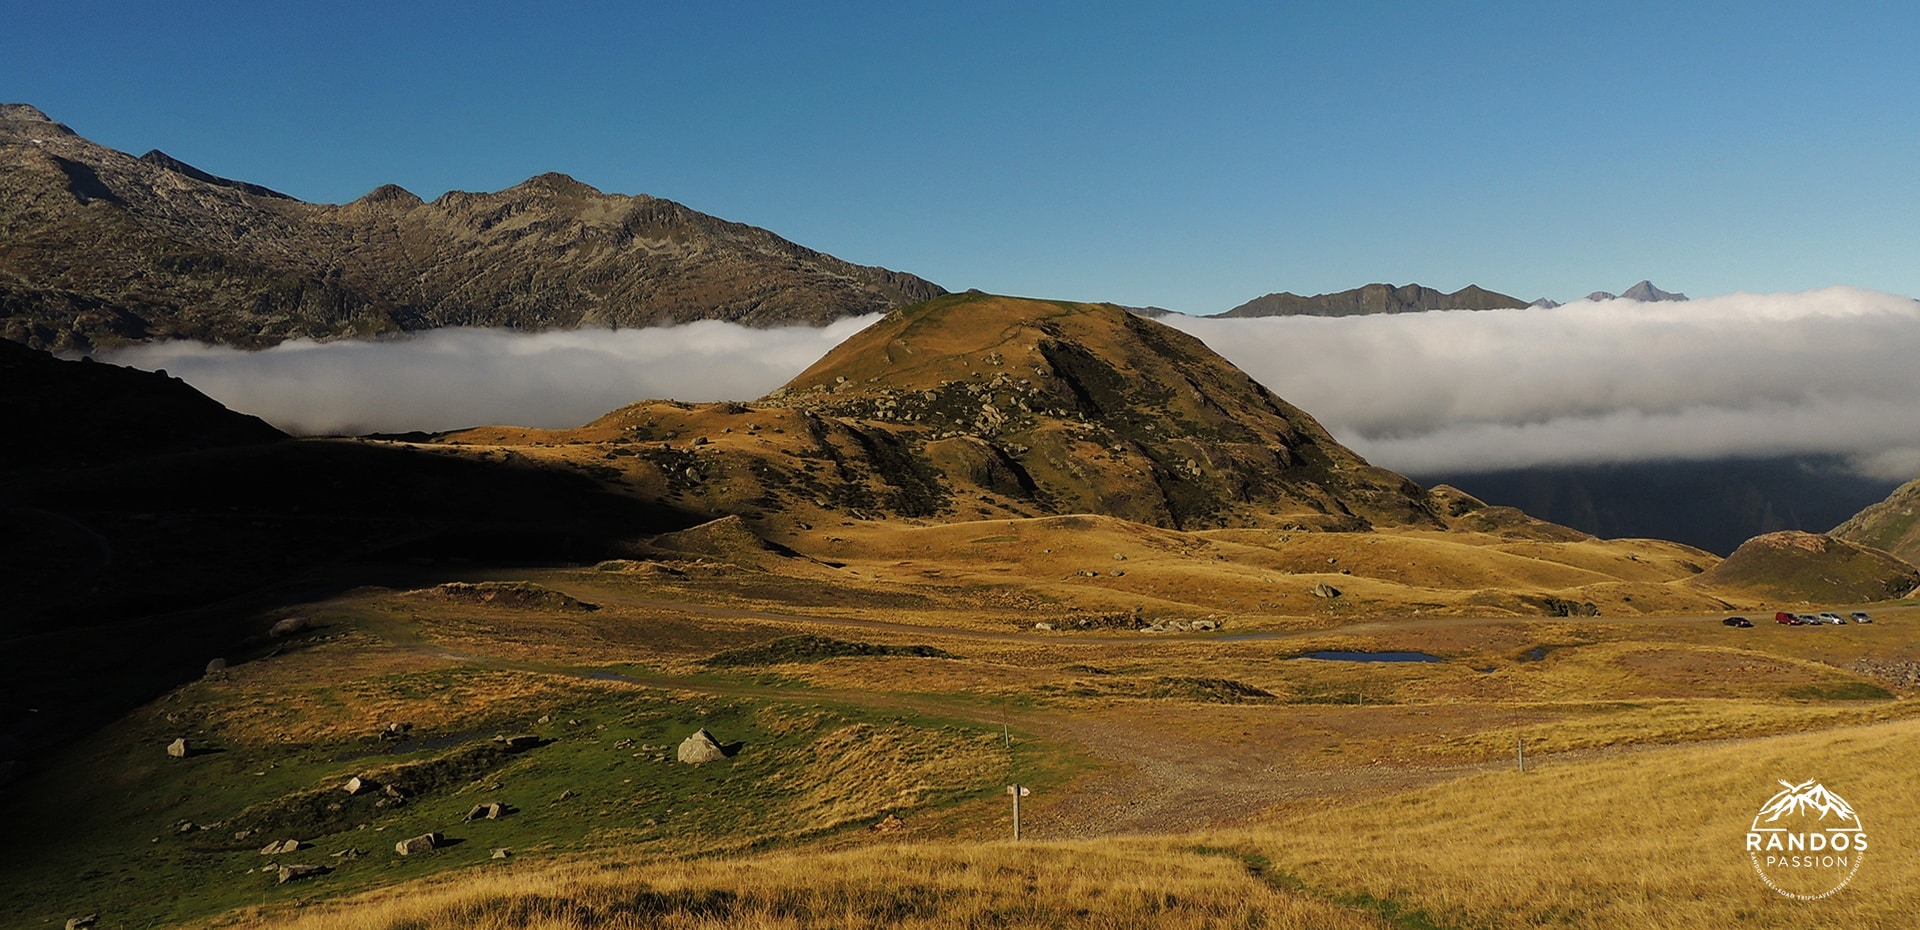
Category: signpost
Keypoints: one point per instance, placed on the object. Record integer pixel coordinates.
(1018, 792)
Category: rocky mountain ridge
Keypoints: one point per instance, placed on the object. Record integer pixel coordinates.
(99, 248)
(1374, 298)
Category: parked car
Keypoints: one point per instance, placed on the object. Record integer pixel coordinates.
(1785, 618)
(1737, 621)
(1861, 617)
(1831, 617)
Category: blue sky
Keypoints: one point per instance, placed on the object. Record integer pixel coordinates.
(1130, 152)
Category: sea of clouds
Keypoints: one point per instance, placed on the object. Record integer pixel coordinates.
(1827, 372)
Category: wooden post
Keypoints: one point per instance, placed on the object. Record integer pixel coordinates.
(1018, 792)
(1520, 746)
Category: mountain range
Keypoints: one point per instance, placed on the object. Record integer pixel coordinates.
(100, 248)
(1374, 298)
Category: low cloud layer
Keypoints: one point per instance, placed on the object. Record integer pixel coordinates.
(452, 378)
(1824, 372)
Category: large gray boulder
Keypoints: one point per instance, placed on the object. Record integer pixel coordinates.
(700, 747)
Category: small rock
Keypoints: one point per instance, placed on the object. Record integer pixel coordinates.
(179, 748)
(289, 626)
(1326, 591)
(278, 848)
(566, 795)
(889, 824)
(1043, 625)
(1119, 557)
(489, 811)
(397, 731)
(356, 785)
(185, 826)
(425, 842)
(83, 922)
(394, 791)
(294, 873)
(216, 667)
(501, 852)
(348, 854)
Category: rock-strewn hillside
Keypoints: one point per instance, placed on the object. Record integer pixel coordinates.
(98, 248)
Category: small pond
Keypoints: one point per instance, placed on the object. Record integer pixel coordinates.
(1332, 655)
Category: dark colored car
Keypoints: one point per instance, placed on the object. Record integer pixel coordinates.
(1737, 621)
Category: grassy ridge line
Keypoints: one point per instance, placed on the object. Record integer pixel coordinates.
(1132, 883)
(1651, 840)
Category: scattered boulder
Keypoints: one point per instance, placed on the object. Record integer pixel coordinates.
(83, 922)
(700, 747)
(290, 626)
(294, 873)
(179, 748)
(348, 854)
(394, 791)
(279, 848)
(425, 842)
(396, 731)
(501, 852)
(216, 668)
(1043, 625)
(492, 810)
(356, 785)
(1325, 591)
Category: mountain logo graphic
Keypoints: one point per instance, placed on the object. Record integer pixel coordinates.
(1806, 842)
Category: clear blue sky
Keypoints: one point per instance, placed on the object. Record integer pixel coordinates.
(1104, 151)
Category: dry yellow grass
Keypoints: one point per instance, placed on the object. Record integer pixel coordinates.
(1141, 883)
(1652, 839)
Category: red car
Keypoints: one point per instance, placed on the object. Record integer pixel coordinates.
(1787, 618)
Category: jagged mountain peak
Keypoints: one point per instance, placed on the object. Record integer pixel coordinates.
(1646, 292)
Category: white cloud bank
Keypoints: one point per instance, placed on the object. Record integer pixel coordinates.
(1829, 372)
(452, 378)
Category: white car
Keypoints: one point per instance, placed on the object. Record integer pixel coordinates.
(1831, 617)
(1861, 617)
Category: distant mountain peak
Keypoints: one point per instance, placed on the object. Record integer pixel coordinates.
(1545, 303)
(391, 194)
(1646, 292)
